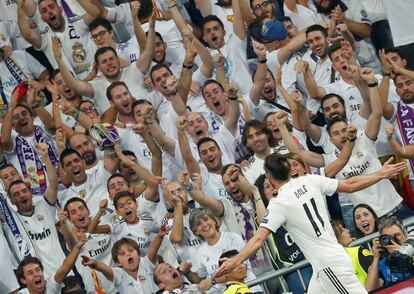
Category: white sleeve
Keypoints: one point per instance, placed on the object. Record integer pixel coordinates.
(327, 186)
(329, 158)
(4, 36)
(35, 67)
(118, 272)
(121, 13)
(273, 218)
(357, 12)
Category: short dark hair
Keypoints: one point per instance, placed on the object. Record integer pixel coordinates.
(333, 48)
(394, 50)
(227, 254)
(139, 102)
(211, 81)
(277, 166)
(3, 167)
(119, 243)
(27, 260)
(72, 282)
(158, 66)
(268, 70)
(121, 195)
(55, 72)
(85, 101)
(226, 167)
(73, 200)
(115, 175)
(332, 95)
(358, 232)
(145, 9)
(14, 183)
(210, 18)
(204, 140)
(112, 86)
(316, 28)
(67, 152)
(25, 106)
(157, 34)
(284, 18)
(103, 50)
(100, 22)
(129, 153)
(332, 122)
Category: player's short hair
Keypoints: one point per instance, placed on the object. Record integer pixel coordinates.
(157, 35)
(211, 81)
(332, 122)
(205, 140)
(65, 153)
(103, 50)
(158, 66)
(73, 200)
(277, 166)
(26, 261)
(316, 28)
(332, 95)
(196, 215)
(387, 222)
(112, 86)
(123, 194)
(99, 21)
(117, 247)
(210, 18)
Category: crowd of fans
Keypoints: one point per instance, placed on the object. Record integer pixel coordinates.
(134, 134)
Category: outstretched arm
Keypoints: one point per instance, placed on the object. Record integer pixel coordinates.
(313, 88)
(361, 182)
(99, 266)
(144, 61)
(139, 32)
(294, 44)
(52, 188)
(6, 128)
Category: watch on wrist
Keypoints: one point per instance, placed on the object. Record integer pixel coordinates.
(213, 280)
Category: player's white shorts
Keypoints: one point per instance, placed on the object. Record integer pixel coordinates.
(332, 280)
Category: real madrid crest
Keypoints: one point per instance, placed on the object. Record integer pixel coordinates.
(82, 193)
(40, 217)
(3, 37)
(78, 52)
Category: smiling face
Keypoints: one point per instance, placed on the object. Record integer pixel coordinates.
(169, 277)
(74, 166)
(160, 50)
(338, 134)
(216, 98)
(51, 13)
(127, 208)
(269, 88)
(206, 227)
(33, 278)
(197, 126)
(232, 189)
(317, 43)
(22, 121)
(273, 128)
(121, 100)
(332, 107)
(128, 258)
(213, 34)
(78, 214)
(405, 88)
(296, 168)
(21, 196)
(109, 64)
(257, 140)
(364, 220)
(210, 155)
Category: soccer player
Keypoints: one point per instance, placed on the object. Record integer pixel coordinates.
(301, 208)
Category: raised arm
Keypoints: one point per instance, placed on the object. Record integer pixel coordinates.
(358, 183)
(384, 88)
(260, 75)
(139, 32)
(175, 88)
(232, 119)
(93, 225)
(186, 72)
(99, 266)
(156, 243)
(144, 61)
(30, 36)
(195, 192)
(374, 119)
(190, 162)
(156, 158)
(239, 27)
(294, 44)
(177, 230)
(52, 188)
(81, 87)
(204, 7)
(313, 88)
(360, 29)
(406, 151)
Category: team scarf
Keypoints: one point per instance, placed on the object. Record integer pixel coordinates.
(34, 173)
(405, 120)
(17, 237)
(97, 283)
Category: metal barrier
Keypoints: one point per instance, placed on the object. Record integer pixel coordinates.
(276, 274)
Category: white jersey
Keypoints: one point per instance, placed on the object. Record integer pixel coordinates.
(77, 46)
(213, 185)
(51, 287)
(300, 207)
(21, 67)
(129, 50)
(66, 119)
(93, 190)
(126, 284)
(303, 17)
(132, 77)
(10, 35)
(399, 16)
(235, 63)
(8, 10)
(98, 247)
(382, 196)
(225, 14)
(209, 256)
(187, 250)
(8, 281)
(40, 226)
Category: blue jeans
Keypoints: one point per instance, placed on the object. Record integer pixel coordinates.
(348, 217)
(404, 212)
(294, 282)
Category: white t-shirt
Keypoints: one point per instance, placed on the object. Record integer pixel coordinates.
(132, 77)
(300, 207)
(212, 184)
(382, 196)
(235, 63)
(8, 281)
(209, 256)
(41, 228)
(51, 287)
(23, 66)
(10, 35)
(225, 14)
(129, 50)
(399, 14)
(126, 284)
(302, 18)
(93, 190)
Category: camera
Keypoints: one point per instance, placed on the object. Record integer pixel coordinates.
(386, 240)
(400, 261)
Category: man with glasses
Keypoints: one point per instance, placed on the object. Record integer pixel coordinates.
(265, 9)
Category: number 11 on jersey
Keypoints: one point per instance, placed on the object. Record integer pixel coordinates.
(310, 217)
